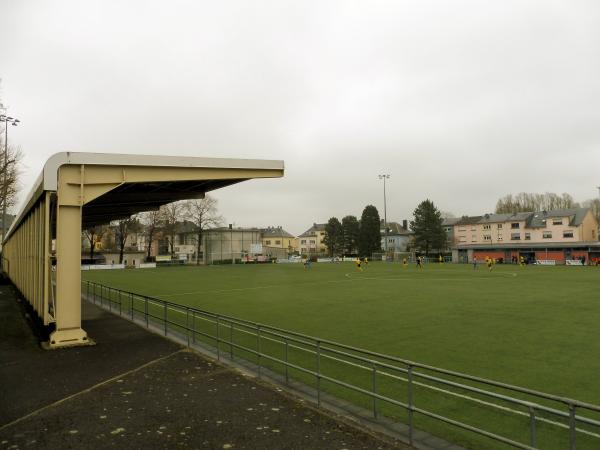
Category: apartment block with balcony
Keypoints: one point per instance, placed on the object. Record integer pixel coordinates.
(556, 236)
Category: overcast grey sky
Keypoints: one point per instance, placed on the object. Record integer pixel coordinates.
(459, 101)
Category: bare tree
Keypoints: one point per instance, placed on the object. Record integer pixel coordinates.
(94, 235)
(528, 202)
(123, 228)
(171, 214)
(10, 170)
(203, 214)
(151, 223)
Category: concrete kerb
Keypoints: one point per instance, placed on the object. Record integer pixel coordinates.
(342, 410)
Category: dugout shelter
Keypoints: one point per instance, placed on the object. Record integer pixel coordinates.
(80, 190)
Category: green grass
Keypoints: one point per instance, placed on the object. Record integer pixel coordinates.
(536, 327)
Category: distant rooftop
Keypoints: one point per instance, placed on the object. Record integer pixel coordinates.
(534, 219)
(276, 232)
(312, 230)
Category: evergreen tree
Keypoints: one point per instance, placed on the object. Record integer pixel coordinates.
(334, 236)
(351, 229)
(427, 226)
(370, 234)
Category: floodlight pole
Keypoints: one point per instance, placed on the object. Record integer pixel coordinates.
(14, 122)
(385, 177)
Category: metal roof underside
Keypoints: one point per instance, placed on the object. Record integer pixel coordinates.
(131, 198)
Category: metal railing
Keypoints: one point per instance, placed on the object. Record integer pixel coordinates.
(387, 385)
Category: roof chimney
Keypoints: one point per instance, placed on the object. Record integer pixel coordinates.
(405, 224)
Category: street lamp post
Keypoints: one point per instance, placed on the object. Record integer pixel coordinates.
(14, 122)
(385, 177)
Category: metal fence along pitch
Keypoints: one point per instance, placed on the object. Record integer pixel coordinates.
(390, 384)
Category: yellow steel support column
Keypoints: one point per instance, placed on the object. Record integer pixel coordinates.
(68, 262)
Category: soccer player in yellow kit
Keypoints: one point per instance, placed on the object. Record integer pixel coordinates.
(358, 264)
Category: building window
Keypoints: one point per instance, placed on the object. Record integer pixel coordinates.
(527, 236)
(487, 227)
(568, 234)
(462, 229)
(515, 236)
(462, 239)
(277, 242)
(499, 237)
(267, 242)
(515, 225)
(312, 241)
(487, 237)
(447, 229)
(473, 238)
(547, 235)
(303, 241)
(557, 222)
(499, 226)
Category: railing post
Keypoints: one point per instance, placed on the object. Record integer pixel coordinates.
(218, 341)
(572, 428)
(287, 378)
(258, 348)
(532, 427)
(374, 382)
(193, 327)
(187, 324)
(131, 304)
(231, 341)
(109, 299)
(319, 373)
(165, 316)
(94, 292)
(410, 404)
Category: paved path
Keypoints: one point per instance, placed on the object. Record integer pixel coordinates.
(137, 390)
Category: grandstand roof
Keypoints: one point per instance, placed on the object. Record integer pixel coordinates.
(166, 179)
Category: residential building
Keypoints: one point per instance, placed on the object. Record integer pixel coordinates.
(556, 236)
(311, 242)
(448, 225)
(398, 237)
(277, 241)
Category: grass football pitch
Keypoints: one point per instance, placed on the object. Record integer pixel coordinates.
(535, 327)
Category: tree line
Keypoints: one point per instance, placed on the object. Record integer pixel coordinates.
(201, 214)
(352, 236)
(363, 237)
(528, 202)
